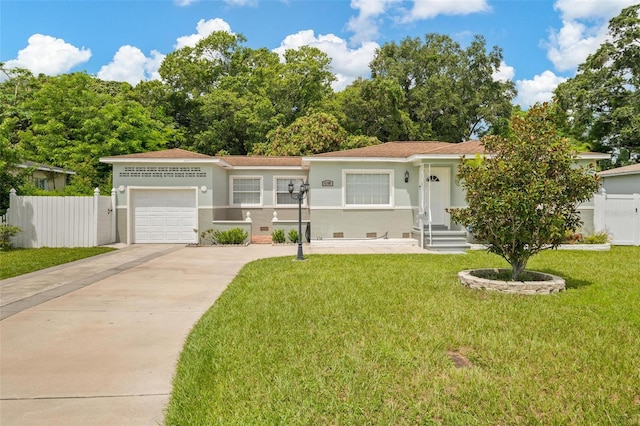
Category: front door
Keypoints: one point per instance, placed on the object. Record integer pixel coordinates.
(437, 194)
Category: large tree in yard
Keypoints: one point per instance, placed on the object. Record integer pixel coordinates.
(522, 195)
(601, 104)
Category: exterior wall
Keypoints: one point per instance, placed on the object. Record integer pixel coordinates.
(361, 223)
(623, 184)
(54, 181)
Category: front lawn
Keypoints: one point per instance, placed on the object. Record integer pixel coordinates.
(21, 261)
(395, 339)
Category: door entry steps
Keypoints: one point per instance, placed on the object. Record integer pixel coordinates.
(445, 240)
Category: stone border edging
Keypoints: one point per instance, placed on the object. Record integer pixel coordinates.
(554, 284)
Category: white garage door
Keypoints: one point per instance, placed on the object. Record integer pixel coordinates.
(164, 216)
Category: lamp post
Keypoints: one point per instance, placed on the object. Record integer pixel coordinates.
(302, 192)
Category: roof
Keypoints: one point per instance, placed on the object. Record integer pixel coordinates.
(175, 153)
(407, 149)
(625, 170)
(44, 167)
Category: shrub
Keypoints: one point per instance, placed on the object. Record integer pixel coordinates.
(277, 236)
(521, 199)
(601, 237)
(293, 235)
(6, 232)
(230, 236)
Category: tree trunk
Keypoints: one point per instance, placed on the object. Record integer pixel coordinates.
(517, 268)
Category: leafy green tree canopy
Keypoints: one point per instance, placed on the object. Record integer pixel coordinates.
(522, 196)
(450, 92)
(601, 104)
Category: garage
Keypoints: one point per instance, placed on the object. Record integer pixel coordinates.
(164, 216)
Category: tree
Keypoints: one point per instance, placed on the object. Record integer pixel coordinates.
(522, 197)
(601, 104)
(373, 108)
(450, 92)
(312, 134)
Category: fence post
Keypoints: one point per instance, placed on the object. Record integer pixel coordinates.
(96, 204)
(114, 212)
(598, 210)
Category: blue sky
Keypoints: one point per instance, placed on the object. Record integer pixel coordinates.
(543, 41)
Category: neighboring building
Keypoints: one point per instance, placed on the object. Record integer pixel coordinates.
(396, 189)
(622, 180)
(46, 177)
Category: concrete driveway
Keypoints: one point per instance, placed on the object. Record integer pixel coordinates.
(95, 342)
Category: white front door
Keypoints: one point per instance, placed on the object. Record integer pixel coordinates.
(164, 216)
(437, 194)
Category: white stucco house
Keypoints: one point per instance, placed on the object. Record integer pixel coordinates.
(394, 190)
(618, 204)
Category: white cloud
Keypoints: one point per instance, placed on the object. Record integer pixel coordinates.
(539, 89)
(504, 72)
(203, 28)
(183, 3)
(591, 9)
(346, 63)
(49, 55)
(569, 47)
(241, 2)
(584, 29)
(365, 25)
(131, 65)
(427, 9)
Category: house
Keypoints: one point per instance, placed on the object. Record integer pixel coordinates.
(392, 190)
(46, 177)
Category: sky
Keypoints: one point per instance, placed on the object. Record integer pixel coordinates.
(543, 41)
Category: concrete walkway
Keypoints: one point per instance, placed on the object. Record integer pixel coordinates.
(95, 342)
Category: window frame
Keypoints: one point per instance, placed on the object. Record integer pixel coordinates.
(389, 172)
(232, 179)
(294, 203)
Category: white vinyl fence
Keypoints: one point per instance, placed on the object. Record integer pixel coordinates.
(619, 215)
(62, 221)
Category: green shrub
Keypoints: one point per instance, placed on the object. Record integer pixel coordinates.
(230, 236)
(293, 235)
(6, 232)
(277, 236)
(601, 237)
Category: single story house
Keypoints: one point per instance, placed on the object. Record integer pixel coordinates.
(44, 176)
(618, 205)
(393, 190)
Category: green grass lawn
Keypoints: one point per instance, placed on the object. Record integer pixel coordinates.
(21, 261)
(369, 339)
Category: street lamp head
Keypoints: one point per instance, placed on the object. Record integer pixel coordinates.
(290, 187)
(305, 187)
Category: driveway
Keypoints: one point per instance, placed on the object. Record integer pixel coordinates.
(96, 342)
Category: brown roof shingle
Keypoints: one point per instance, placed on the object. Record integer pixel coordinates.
(632, 168)
(175, 153)
(407, 149)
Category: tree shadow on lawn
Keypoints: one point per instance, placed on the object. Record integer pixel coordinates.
(570, 282)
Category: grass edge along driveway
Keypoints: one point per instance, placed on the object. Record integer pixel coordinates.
(379, 339)
(22, 261)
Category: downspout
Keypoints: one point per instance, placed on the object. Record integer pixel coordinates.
(421, 200)
(429, 202)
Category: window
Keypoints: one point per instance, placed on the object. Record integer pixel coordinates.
(368, 188)
(283, 198)
(246, 191)
(40, 183)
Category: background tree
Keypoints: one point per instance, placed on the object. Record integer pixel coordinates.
(311, 134)
(601, 104)
(450, 93)
(523, 197)
(373, 108)
(75, 119)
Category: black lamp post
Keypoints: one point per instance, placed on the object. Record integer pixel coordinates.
(302, 192)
